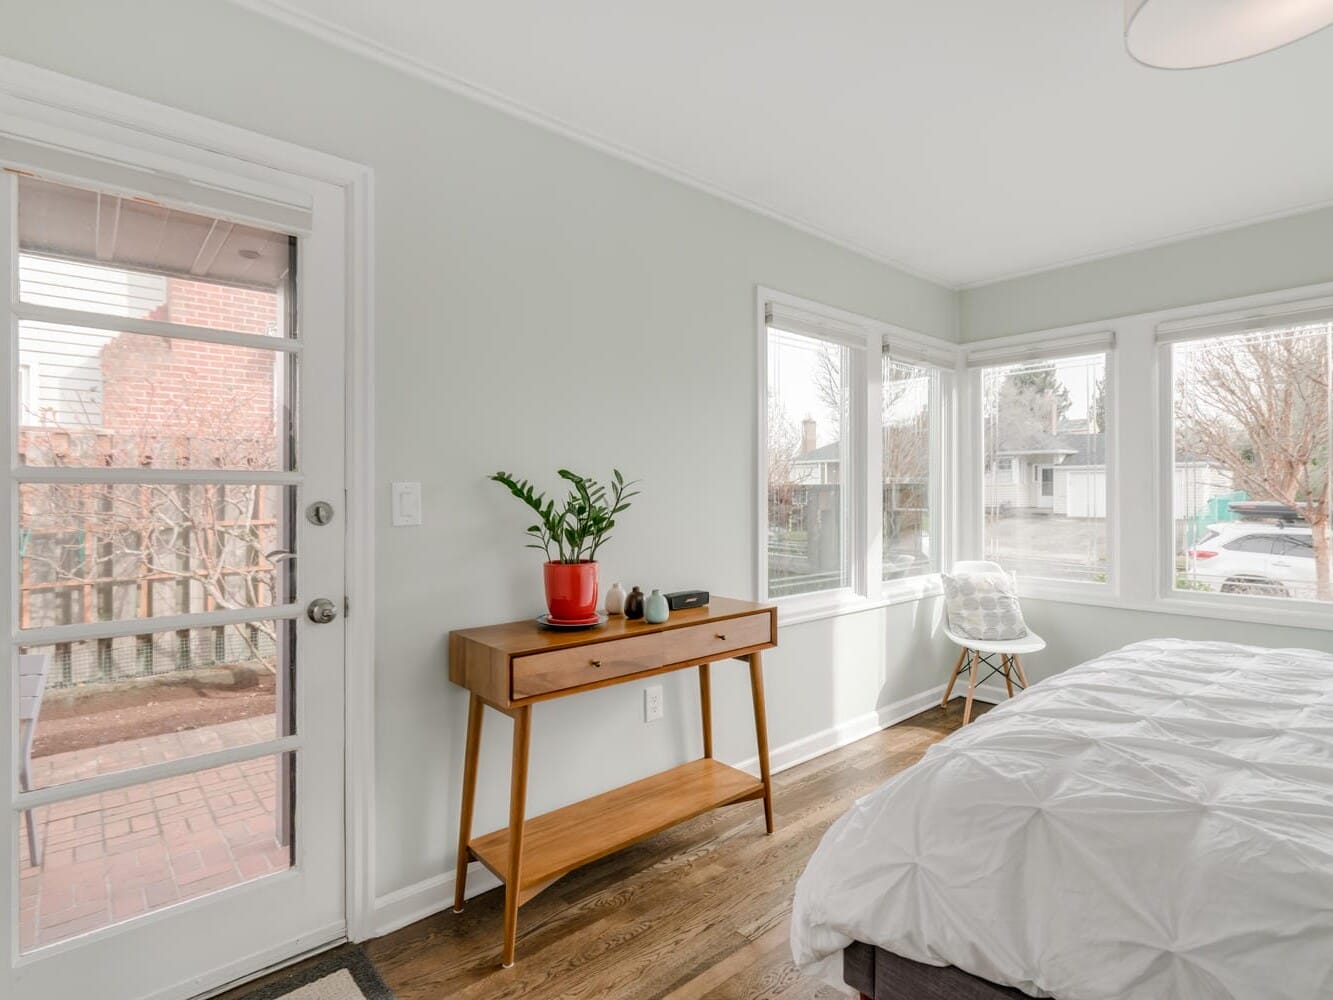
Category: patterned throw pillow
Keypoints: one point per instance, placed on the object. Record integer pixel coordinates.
(983, 606)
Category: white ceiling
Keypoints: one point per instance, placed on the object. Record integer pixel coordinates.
(964, 140)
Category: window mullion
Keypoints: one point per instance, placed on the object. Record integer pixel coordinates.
(871, 520)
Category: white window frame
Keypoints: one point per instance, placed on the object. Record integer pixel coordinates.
(1140, 498)
(1085, 339)
(869, 339)
(1200, 327)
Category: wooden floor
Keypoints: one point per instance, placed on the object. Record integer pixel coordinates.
(700, 911)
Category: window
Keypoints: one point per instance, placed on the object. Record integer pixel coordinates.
(810, 464)
(1250, 462)
(849, 512)
(1045, 475)
(910, 406)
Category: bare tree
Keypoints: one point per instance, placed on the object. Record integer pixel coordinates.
(1259, 405)
(173, 547)
(784, 447)
(829, 384)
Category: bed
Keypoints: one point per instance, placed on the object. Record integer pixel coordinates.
(1155, 823)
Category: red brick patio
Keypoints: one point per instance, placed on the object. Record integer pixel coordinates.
(115, 855)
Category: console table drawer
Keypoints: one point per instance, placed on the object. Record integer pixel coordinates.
(543, 673)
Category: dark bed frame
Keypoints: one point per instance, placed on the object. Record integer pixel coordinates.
(882, 975)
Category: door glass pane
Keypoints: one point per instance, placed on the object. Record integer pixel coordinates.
(109, 705)
(1044, 434)
(96, 398)
(95, 552)
(113, 856)
(98, 252)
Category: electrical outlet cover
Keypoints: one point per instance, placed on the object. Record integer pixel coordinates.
(652, 703)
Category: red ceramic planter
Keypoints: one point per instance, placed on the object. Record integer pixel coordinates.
(571, 590)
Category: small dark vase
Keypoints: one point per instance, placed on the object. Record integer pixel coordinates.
(634, 604)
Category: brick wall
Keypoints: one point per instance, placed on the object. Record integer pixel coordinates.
(214, 402)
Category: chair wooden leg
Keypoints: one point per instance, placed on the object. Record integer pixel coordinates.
(957, 669)
(971, 688)
(1022, 677)
(1005, 667)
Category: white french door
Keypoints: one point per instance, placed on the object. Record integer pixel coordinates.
(173, 404)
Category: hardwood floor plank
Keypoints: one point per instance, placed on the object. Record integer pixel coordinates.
(699, 910)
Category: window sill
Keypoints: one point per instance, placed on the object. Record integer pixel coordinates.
(1307, 616)
(799, 611)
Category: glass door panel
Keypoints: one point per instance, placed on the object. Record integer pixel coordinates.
(157, 598)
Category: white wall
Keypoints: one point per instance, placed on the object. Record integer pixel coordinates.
(538, 304)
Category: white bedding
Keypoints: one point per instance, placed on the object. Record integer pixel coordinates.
(1156, 823)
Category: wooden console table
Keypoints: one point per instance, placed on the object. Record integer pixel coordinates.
(511, 667)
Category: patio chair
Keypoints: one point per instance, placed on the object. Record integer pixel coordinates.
(32, 685)
(978, 652)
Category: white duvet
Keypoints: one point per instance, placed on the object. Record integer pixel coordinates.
(1156, 823)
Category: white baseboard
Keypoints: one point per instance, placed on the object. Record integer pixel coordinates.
(422, 899)
(843, 733)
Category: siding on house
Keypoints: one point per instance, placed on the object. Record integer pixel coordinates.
(63, 363)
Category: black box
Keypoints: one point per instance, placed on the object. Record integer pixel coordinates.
(682, 599)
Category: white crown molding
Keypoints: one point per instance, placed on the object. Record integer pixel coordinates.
(336, 35)
(284, 12)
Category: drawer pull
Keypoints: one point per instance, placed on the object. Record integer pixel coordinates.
(721, 635)
(595, 663)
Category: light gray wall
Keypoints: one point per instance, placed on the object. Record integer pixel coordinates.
(538, 304)
(1075, 633)
(1267, 257)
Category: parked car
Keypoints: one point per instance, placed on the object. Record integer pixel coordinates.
(1239, 557)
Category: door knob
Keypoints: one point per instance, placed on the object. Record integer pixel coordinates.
(321, 611)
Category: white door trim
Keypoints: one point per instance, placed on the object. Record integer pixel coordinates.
(101, 116)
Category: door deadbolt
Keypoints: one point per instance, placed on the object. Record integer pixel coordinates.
(320, 512)
(321, 611)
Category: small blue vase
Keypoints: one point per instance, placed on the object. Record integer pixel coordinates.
(655, 610)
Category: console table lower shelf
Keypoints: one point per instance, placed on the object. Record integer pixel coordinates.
(556, 843)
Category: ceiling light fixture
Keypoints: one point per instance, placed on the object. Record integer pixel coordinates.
(1192, 34)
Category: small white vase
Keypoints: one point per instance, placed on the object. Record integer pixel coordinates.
(615, 600)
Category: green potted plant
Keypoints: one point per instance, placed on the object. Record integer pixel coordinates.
(570, 535)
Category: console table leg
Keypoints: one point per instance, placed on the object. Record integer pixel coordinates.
(706, 708)
(475, 711)
(761, 733)
(518, 794)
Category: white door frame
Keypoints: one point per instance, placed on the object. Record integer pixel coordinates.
(82, 115)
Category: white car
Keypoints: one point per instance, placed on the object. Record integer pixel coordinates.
(1241, 557)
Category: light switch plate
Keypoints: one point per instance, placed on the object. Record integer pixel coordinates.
(406, 504)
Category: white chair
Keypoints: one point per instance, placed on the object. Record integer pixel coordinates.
(978, 652)
(32, 685)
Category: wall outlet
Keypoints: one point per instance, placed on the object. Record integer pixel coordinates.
(652, 703)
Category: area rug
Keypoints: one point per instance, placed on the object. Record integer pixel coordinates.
(343, 974)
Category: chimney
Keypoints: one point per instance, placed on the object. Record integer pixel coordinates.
(1055, 416)
(807, 435)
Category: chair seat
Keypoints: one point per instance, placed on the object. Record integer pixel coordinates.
(1030, 643)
